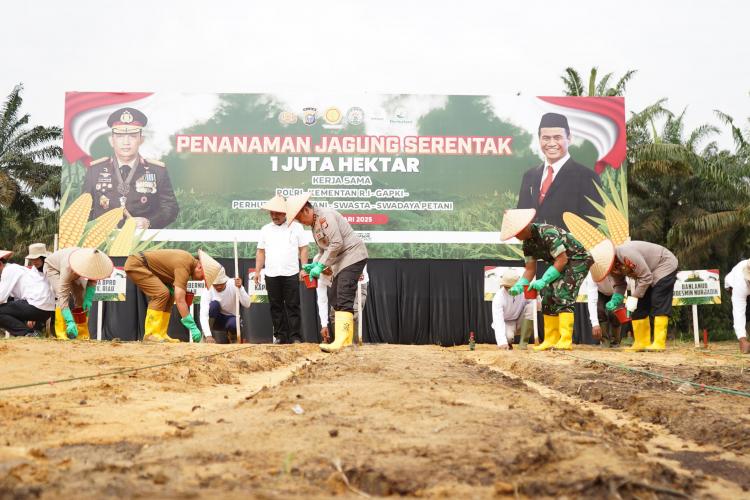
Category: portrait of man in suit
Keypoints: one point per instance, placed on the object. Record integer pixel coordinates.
(560, 184)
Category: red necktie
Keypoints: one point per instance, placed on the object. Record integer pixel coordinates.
(546, 184)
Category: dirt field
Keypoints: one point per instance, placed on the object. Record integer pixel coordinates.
(288, 421)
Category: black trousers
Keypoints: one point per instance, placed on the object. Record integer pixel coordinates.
(283, 296)
(657, 301)
(343, 291)
(15, 314)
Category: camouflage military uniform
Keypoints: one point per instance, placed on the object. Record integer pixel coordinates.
(546, 243)
(149, 193)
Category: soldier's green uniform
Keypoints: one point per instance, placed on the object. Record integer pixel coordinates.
(148, 193)
(546, 243)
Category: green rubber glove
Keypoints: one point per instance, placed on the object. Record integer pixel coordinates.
(550, 275)
(88, 299)
(70, 324)
(171, 289)
(614, 302)
(316, 269)
(189, 323)
(517, 289)
(308, 267)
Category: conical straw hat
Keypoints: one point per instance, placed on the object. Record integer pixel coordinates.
(510, 276)
(514, 221)
(275, 204)
(604, 257)
(90, 263)
(211, 268)
(294, 204)
(5, 254)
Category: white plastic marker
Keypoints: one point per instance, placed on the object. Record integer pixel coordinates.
(99, 318)
(359, 313)
(536, 320)
(237, 294)
(695, 326)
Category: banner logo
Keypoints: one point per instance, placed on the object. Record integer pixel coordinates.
(310, 116)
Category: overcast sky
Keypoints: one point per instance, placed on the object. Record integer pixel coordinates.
(696, 53)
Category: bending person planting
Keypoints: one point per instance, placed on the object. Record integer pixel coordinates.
(163, 275)
(73, 273)
(569, 263)
(341, 258)
(654, 269)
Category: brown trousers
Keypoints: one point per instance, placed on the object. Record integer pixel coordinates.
(159, 298)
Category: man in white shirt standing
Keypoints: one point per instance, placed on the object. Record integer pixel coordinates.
(737, 283)
(217, 309)
(510, 313)
(280, 248)
(33, 298)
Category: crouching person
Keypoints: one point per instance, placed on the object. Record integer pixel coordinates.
(33, 298)
(218, 318)
(511, 313)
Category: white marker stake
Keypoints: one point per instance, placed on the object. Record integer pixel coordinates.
(695, 326)
(535, 319)
(54, 245)
(99, 313)
(237, 294)
(359, 313)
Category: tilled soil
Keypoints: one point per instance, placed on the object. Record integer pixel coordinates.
(380, 420)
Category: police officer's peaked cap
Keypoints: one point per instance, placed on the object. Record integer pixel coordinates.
(552, 120)
(126, 121)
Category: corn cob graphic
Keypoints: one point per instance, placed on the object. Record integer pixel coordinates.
(124, 241)
(617, 225)
(103, 227)
(584, 232)
(73, 221)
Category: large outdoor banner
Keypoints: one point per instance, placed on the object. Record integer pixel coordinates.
(418, 176)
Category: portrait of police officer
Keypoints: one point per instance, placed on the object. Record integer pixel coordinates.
(128, 180)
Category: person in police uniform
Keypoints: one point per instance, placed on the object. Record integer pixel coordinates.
(126, 179)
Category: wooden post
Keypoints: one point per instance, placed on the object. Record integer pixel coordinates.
(237, 294)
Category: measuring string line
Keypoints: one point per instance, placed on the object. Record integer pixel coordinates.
(674, 380)
(124, 370)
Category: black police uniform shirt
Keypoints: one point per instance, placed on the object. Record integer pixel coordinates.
(150, 194)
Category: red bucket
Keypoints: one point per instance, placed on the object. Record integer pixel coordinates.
(622, 315)
(189, 298)
(529, 294)
(79, 315)
(311, 282)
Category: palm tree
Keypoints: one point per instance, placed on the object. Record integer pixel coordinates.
(574, 85)
(29, 173)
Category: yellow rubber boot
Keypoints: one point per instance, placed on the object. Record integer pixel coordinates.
(660, 334)
(152, 326)
(641, 335)
(164, 326)
(344, 332)
(60, 325)
(551, 333)
(83, 330)
(566, 331)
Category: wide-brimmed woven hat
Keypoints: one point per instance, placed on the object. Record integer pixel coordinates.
(91, 263)
(37, 250)
(5, 254)
(294, 204)
(275, 204)
(221, 278)
(509, 277)
(604, 257)
(514, 220)
(211, 268)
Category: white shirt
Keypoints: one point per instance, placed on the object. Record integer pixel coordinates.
(26, 284)
(740, 290)
(281, 244)
(555, 168)
(225, 298)
(322, 293)
(506, 308)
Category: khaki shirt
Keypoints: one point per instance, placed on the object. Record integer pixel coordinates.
(339, 246)
(172, 267)
(63, 281)
(645, 262)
